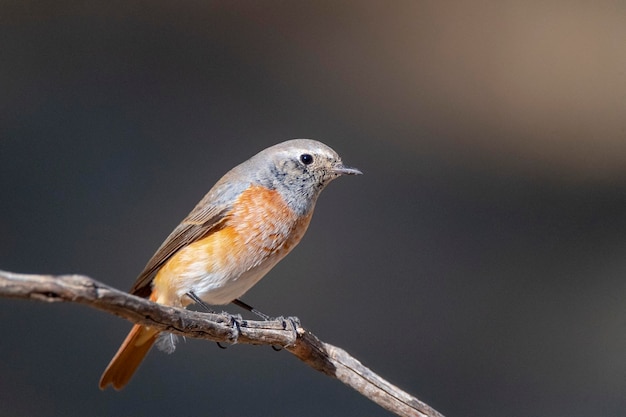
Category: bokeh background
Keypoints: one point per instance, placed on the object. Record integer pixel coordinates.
(479, 263)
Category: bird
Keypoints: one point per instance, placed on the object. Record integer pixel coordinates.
(247, 222)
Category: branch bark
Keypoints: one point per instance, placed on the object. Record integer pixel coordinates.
(287, 333)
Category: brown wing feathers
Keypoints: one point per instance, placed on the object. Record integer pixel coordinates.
(183, 235)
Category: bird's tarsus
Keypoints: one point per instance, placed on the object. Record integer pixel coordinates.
(251, 309)
(201, 303)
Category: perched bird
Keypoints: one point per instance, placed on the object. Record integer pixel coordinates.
(251, 218)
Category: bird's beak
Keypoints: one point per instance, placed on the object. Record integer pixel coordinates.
(341, 169)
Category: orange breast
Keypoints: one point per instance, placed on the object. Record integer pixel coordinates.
(265, 223)
(258, 232)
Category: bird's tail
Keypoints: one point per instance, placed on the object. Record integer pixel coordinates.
(128, 357)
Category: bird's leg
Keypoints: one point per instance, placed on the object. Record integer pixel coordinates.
(234, 321)
(264, 316)
(198, 301)
(251, 309)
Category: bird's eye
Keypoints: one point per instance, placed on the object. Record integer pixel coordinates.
(306, 159)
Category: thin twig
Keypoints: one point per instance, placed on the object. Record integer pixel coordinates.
(287, 333)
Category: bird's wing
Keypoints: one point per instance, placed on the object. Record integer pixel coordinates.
(203, 220)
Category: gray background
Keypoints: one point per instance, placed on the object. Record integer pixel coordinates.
(479, 263)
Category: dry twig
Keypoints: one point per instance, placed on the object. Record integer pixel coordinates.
(287, 333)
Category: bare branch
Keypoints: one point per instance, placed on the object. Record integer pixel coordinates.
(287, 333)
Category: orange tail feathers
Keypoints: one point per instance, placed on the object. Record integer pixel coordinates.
(128, 357)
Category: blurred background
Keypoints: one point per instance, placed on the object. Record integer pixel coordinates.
(478, 264)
